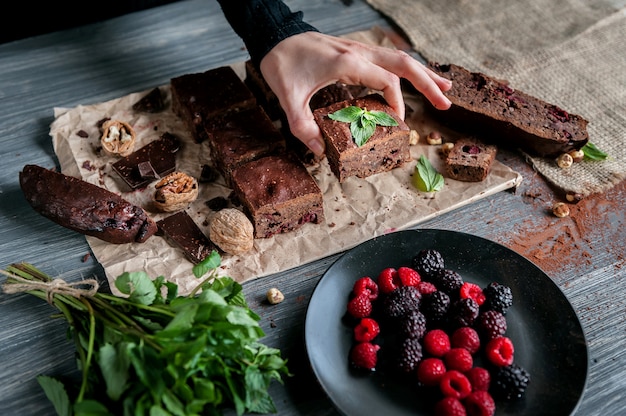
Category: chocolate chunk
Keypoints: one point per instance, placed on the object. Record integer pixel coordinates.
(217, 204)
(146, 171)
(151, 103)
(209, 174)
(185, 233)
(161, 156)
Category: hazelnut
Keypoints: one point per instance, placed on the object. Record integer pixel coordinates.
(573, 196)
(564, 160)
(414, 137)
(446, 148)
(434, 138)
(577, 155)
(232, 231)
(560, 209)
(274, 296)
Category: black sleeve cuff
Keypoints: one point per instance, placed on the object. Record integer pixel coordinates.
(262, 24)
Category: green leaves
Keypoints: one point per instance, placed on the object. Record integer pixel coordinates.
(155, 352)
(592, 152)
(426, 178)
(362, 122)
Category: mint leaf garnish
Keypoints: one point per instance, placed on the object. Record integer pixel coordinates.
(426, 178)
(592, 152)
(362, 122)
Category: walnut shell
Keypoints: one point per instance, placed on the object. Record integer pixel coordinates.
(175, 192)
(232, 231)
(118, 138)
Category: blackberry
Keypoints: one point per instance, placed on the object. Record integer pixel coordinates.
(435, 306)
(490, 324)
(413, 324)
(498, 297)
(448, 281)
(427, 262)
(463, 312)
(510, 382)
(409, 355)
(401, 301)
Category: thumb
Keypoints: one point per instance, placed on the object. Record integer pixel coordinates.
(304, 127)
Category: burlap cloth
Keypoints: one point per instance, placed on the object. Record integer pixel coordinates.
(571, 53)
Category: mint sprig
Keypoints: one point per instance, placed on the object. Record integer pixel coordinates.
(426, 178)
(362, 122)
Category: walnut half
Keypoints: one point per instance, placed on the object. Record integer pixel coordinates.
(175, 192)
(232, 231)
(118, 138)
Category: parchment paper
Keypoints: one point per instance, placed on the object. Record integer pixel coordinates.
(355, 210)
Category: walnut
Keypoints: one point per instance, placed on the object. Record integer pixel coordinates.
(175, 192)
(118, 138)
(232, 231)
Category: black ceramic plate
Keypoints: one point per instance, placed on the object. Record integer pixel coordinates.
(548, 338)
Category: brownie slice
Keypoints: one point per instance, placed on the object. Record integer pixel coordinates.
(241, 137)
(470, 160)
(199, 97)
(265, 96)
(181, 229)
(387, 149)
(278, 194)
(491, 109)
(152, 161)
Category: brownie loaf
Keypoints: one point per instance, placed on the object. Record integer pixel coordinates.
(492, 110)
(84, 207)
(470, 160)
(387, 149)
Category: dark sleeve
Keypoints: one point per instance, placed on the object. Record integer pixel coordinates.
(262, 24)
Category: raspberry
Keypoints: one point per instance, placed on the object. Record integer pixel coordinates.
(465, 337)
(454, 384)
(366, 330)
(426, 288)
(408, 276)
(428, 262)
(500, 351)
(366, 285)
(480, 403)
(479, 377)
(449, 406)
(364, 355)
(436, 342)
(413, 324)
(458, 359)
(360, 306)
(401, 301)
(491, 324)
(498, 297)
(472, 291)
(510, 382)
(388, 280)
(463, 312)
(430, 370)
(409, 355)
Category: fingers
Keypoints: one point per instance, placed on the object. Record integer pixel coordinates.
(307, 130)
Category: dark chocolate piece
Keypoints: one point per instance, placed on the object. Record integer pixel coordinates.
(181, 229)
(146, 171)
(152, 102)
(85, 207)
(160, 154)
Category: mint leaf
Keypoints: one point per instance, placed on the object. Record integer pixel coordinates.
(114, 364)
(362, 122)
(212, 261)
(56, 393)
(347, 115)
(592, 152)
(426, 178)
(138, 286)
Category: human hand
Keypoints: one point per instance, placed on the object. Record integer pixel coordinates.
(302, 64)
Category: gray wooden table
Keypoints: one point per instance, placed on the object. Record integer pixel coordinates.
(135, 52)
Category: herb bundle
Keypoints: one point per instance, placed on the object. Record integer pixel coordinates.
(155, 352)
